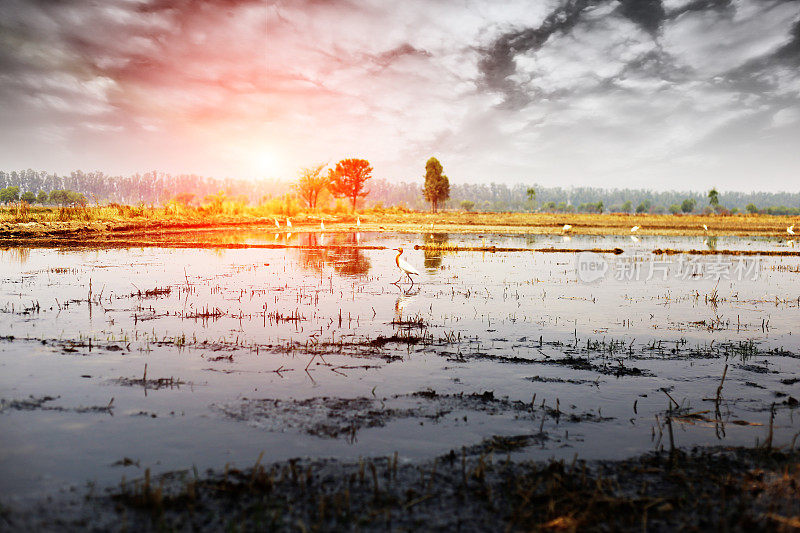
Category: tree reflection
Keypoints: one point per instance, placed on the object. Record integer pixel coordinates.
(433, 251)
(340, 251)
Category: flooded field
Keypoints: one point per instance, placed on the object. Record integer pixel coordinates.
(115, 361)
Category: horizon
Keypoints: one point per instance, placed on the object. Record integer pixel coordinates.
(540, 188)
(660, 96)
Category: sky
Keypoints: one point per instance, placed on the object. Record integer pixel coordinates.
(659, 94)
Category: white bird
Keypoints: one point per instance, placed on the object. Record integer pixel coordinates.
(358, 221)
(405, 267)
(322, 225)
(567, 227)
(790, 230)
(277, 224)
(705, 227)
(634, 229)
(288, 222)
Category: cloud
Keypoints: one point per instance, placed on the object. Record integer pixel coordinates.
(600, 91)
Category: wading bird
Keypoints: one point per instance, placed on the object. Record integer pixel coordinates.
(634, 229)
(288, 222)
(277, 224)
(567, 227)
(358, 221)
(790, 230)
(405, 267)
(322, 225)
(705, 227)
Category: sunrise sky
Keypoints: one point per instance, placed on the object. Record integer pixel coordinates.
(671, 94)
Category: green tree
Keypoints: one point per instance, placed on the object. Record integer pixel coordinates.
(42, 197)
(468, 205)
(531, 194)
(627, 207)
(9, 194)
(674, 209)
(713, 197)
(28, 197)
(437, 185)
(687, 206)
(643, 207)
(751, 208)
(349, 178)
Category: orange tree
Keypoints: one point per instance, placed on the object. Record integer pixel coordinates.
(311, 183)
(348, 179)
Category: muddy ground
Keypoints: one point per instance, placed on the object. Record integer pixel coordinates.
(480, 488)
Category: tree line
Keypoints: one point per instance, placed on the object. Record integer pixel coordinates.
(432, 190)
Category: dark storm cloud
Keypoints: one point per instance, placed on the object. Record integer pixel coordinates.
(497, 64)
(500, 72)
(647, 13)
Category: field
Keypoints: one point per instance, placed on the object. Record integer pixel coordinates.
(219, 371)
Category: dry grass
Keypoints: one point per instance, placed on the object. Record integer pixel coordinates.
(25, 221)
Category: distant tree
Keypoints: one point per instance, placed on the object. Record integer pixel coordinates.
(687, 206)
(674, 209)
(66, 197)
(627, 207)
(42, 197)
(9, 194)
(531, 194)
(28, 197)
(348, 179)
(468, 205)
(311, 183)
(184, 198)
(751, 208)
(713, 197)
(600, 206)
(437, 186)
(643, 207)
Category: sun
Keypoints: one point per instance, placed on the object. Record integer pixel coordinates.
(265, 162)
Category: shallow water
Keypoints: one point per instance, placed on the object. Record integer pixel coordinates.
(252, 350)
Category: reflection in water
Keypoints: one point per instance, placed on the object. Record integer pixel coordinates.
(403, 301)
(433, 256)
(18, 255)
(344, 255)
(711, 243)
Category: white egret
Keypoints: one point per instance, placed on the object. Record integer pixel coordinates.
(277, 224)
(705, 227)
(634, 229)
(288, 222)
(358, 221)
(567, 227)
(322, 225)
(790, 230)
(405, 267)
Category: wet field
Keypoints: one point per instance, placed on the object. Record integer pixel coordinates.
(121, 360)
